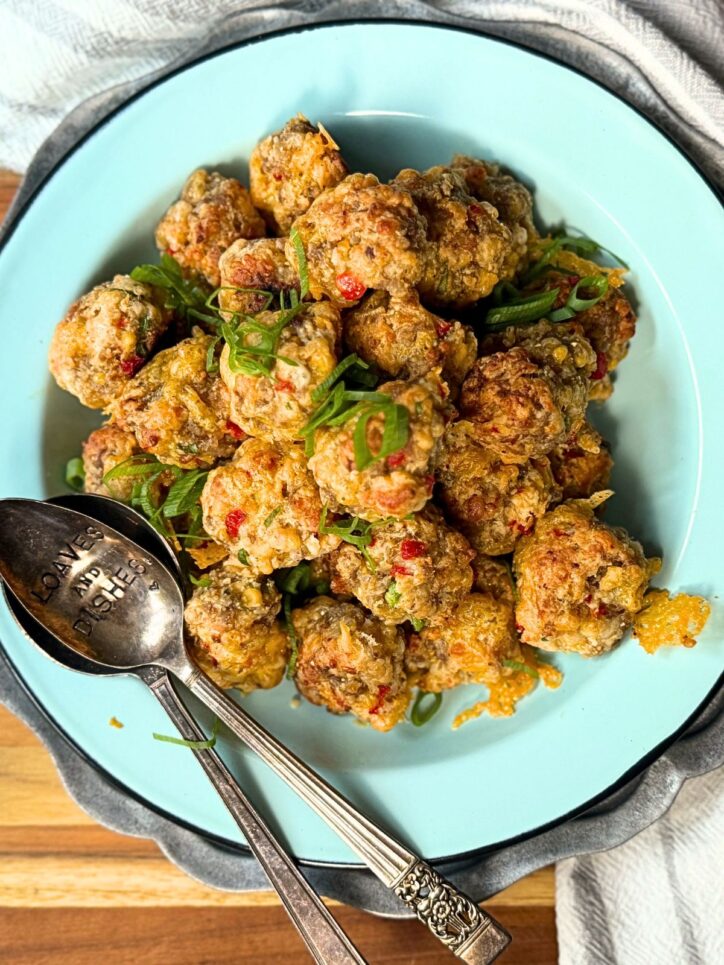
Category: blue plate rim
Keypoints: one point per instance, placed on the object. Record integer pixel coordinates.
(7, 231)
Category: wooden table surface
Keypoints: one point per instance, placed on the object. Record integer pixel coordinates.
(74, 893)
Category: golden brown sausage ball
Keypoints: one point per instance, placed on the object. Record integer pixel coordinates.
(527, 400)
(579, 582)
(466, 244)
(266, 504)
(235, 636)
(511, 199)
(582, 465)
(103, 450)
(290, 168)
(277, 406)
(177, 410)
(350, 662)
(258, 265)
(493, 576)
(420, 569)
(468, 647)
(402, 482)
(359, 235)
(404, 340)
(213, 211)
(105, 338)
(493, 500)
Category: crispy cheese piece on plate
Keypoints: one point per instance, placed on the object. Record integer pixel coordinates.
(670, 621)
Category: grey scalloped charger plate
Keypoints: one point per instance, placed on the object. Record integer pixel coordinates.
(635, 796)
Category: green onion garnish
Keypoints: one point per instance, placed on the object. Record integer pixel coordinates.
(575, 304)
(187, 298)
(522, 667)
(353, 530)
(75, 473)
(204, 745)
(184, 493)
(242, 557)
(526, 309)
(202, 581)
(302, 266)
(272, 516)
(423, 709)
(417, 625)
(323, 388)
(393, 594)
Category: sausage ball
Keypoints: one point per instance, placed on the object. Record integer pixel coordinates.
(493, 576)
(466, 244)
(582, 465)
(290, 168)
(265, 504)
(277, 406)
(494, 500)
(234, 633)
(527, 400)
(103, 450)
(177, 410)
(359, 235)
(404, 340)
(580, 583)
(213, 211)
(105, 338)
(402, 482)
(511, 199)
(248, 269)
(351, 662)
(420, 568)
(468, 647)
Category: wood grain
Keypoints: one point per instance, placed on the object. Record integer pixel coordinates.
(74, 893)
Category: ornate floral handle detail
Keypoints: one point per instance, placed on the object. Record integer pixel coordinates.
(451, 916)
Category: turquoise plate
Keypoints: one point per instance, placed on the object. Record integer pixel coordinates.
(397, 95)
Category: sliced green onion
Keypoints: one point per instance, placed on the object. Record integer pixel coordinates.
(212, 363)
(528, 309)
(522, 667)
(346, 363)
(353, 530)
(393, 594)
(302, 267)
(417, 625)
(575, 304)
(204, 745)
(75, 473)
(243, 557)
(139, 465)
(202, 581)
(184, 493)
(272, 516)
(424, 709)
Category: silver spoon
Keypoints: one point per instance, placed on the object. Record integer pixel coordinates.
(326, 941)
(102, 595)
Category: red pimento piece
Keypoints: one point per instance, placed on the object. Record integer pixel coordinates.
(151, 440)
(283, 385)
(601, 367)
(234, 521)
(278, 176)
(443, 328)
(398, 570)
(132, 365)
(170, 251)
(602, 610)
(396, 459)
(350, 287)
(559, 533)
(519, 628)
(382, 691)
(122, 321)
(234, 430)
(411, 549)
(475, 209)
(429, 482)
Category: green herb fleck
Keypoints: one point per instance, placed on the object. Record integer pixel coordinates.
(203, 745)
(393, 594)
(272, 516)
(424, 709)
(521, 667)
(75, 473)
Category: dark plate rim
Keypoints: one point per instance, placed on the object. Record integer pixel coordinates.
(16, 215)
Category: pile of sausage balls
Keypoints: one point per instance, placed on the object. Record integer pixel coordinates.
(485, 533)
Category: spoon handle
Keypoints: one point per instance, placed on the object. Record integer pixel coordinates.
(325, 940)
(463, 927)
